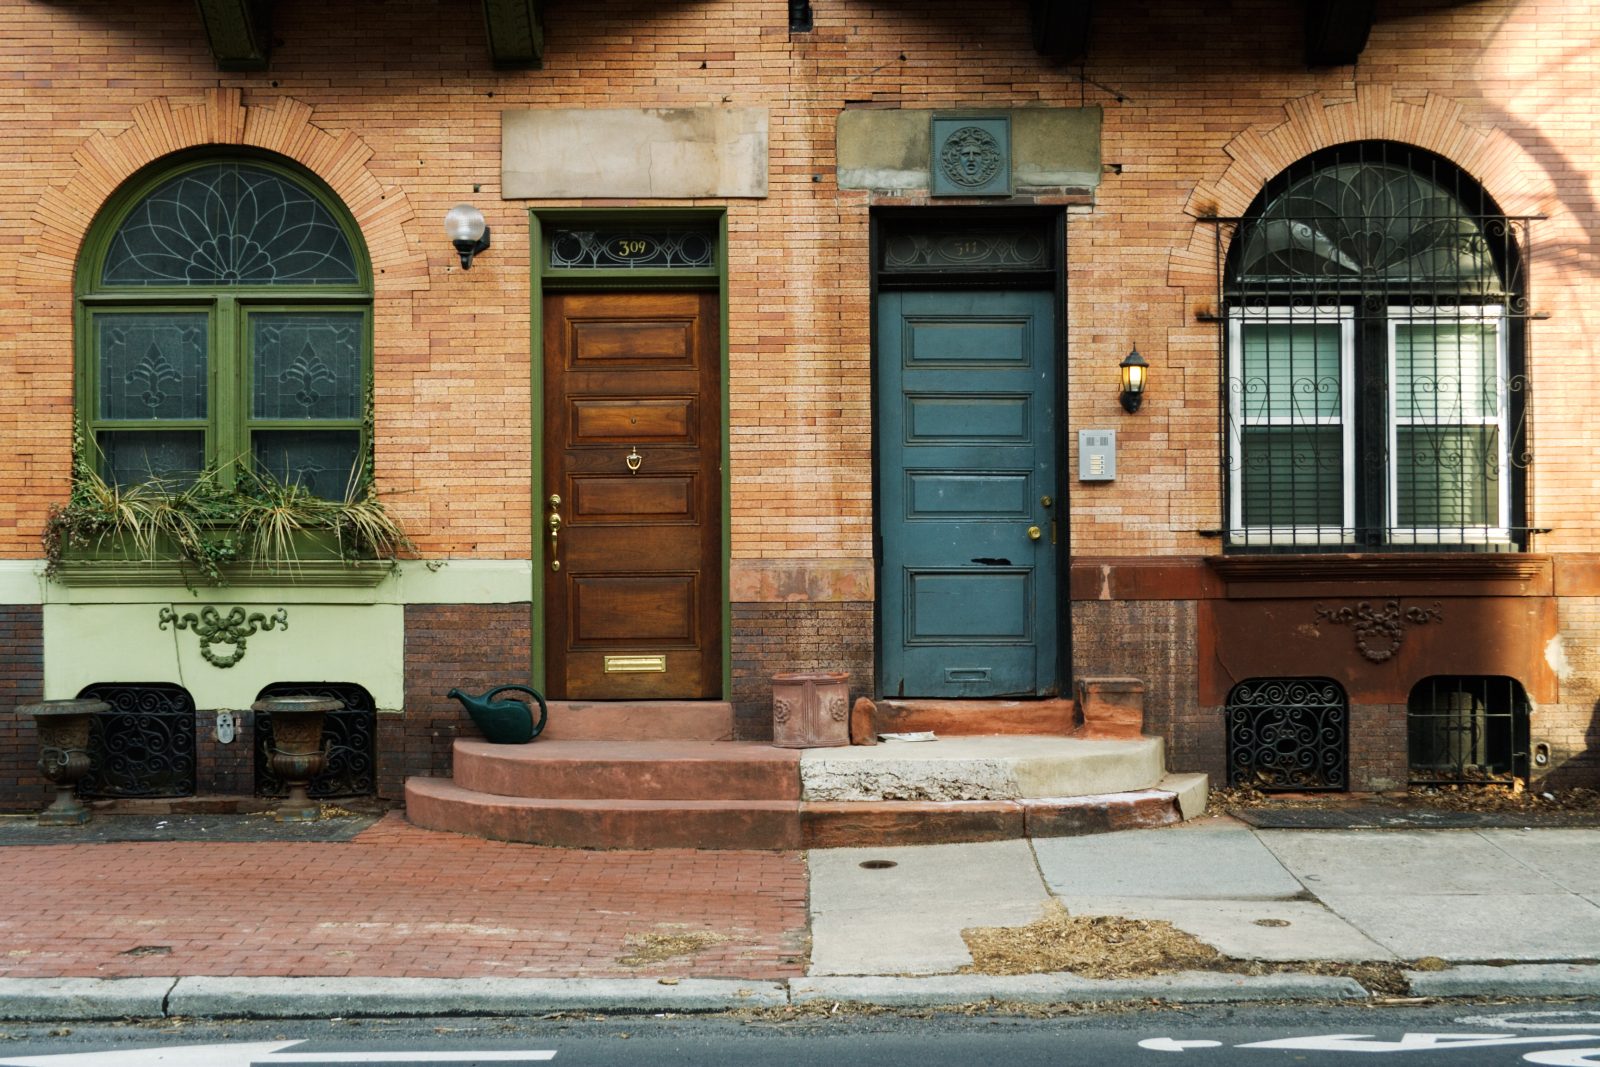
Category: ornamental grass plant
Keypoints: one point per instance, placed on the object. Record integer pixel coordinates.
(206, 525)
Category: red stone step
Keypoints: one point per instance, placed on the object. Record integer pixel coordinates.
(949, 718)
(437, 804)
(632, 770)
(639, 720)
(856, 824)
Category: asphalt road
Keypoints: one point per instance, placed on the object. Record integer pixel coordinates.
(1564, 1034)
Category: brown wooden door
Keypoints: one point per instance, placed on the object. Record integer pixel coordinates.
(635, 608)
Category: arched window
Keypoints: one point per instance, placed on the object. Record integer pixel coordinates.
(1374, 358)
(224, 316)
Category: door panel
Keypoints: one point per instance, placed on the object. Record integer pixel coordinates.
(632, 380)
(966, 451)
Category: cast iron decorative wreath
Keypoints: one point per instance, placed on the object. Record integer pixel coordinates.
(1379, 631)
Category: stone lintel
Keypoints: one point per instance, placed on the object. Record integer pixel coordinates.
(767, 581)
(888, 149)
(629, 153)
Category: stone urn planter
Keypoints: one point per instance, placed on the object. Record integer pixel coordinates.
(297, 754)
(63, 727)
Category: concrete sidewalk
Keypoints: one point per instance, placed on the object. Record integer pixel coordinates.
(402, 921)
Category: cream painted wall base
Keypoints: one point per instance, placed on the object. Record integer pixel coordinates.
(360, 644)
(334, 634)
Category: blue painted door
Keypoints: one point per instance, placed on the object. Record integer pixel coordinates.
(967, 593)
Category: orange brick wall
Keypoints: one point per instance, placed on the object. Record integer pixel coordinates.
(394, 105)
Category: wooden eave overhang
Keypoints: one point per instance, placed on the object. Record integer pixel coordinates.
(239, 33)
(1335, 33)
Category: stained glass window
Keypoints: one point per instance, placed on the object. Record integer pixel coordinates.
(228, 342)
(229, 224)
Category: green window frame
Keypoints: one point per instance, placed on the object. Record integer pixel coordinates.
(224, 323)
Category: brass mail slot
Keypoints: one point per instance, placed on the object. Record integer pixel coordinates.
(635, 664)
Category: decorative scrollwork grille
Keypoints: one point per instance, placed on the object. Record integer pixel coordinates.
(926, 249)
(1467, 730)
(1375, 391)
(145, 745)
(230, 224)
(350, 737)
(1288, 734)
(632, 249)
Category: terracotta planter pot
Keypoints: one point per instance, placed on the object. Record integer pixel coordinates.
(811, 709)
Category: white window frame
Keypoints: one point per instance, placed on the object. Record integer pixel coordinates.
(1398, 534)
(1238, 532)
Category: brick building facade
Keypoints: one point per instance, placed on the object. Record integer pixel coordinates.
(801, 154)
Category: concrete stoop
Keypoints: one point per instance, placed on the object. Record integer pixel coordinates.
(611, 794)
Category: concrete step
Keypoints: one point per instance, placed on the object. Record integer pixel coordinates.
(438, 804)
(981, 768)
(639, 720)
(633, 770)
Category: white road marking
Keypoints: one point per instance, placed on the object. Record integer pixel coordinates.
(1530, 1020)
(1413, 1042)
(262, 1054)
(1167, 1044)
(524, 1056)
(239, 1054)
(1566, 1057)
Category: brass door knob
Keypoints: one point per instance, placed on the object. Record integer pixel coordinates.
(1034, 533)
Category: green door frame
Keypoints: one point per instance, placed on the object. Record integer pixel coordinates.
(544, 279)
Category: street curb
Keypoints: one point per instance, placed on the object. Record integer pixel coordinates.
(73, 999)
(1519, 980)
(304, 998)
(1185, 987)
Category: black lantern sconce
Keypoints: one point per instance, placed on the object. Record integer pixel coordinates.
(1135, 372)
(468, 232)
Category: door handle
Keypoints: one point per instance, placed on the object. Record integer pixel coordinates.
(1034, 533)
(555, 531)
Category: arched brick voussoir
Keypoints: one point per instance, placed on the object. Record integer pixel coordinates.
(1507, 171)
(160, 127)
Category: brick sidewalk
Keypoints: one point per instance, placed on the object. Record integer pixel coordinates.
(396, 901)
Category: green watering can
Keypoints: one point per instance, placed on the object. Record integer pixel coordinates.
(504, 722)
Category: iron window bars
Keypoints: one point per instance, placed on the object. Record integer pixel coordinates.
(1467, 730)
(1374, 383)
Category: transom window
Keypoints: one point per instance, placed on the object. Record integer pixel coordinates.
(1374, 353)
(225, 318)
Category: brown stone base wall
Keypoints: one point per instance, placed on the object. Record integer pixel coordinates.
(21, 682)
(1378, 747)
(1572, 727)
(473, 646)
(1573, 733)
(1154, 641)
(230, 768)
(804, 635)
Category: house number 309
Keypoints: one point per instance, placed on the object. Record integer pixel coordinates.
(633, 248)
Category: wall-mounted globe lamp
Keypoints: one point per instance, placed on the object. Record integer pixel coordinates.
(468, 231)
(1135, 372)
